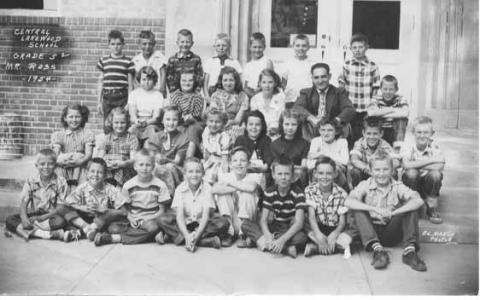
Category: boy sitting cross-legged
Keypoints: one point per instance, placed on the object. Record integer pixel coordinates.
(40, 195)
(91, 207)
(283, 213)
(194, 224)
(326, 213)
(385, 213)
(146, 199)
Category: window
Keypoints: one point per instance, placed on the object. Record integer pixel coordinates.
(292, 17)
(25, 4)
(379, 21)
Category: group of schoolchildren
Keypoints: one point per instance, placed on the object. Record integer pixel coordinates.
(206, 153)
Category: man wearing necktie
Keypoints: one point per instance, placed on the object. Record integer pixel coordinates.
(323, 101)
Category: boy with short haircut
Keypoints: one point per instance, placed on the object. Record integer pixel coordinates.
(41, 194)
(183, 60)
(194, 224)
(116, 80)
(423, 162)
(146, 198)
(361, 79)
(213, 65)
(236, 196)
(385, 213)
(94, 204)
(365, 148)
(296, 75)
(392, 109)
(254, 67)
(151, 57)
(283, 214)
(326, 212)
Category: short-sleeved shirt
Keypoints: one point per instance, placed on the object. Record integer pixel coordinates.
(193, 203)
(271, 110)
(46, 197)
(229, 103)
(212, 67)
(189, 103)
(107, 197)
(214, 143)
(361, 149)
(360, 77)
(326, 210)
(144, 199)
(115, 71)
(396, 102)
(73, 141)
(337, 150)
(296, 149)
(183, 62)
(298, 76)
(252, 70)
(117, 146)
(395, 195)
(169, 144)
(284, 207)
(146, 102)
(157, 61)
(410, 152)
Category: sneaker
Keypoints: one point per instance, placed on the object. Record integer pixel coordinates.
(102, 239)
(72, 235)
(160, 238)
(58, 234)
(412, 259)
(227, 241)
(292, 251)
(91, 235)
(213, 242)
(245, 243)
(310, 249)
(434, 216)
(380, 259)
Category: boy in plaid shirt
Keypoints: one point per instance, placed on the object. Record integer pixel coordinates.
(361, 79)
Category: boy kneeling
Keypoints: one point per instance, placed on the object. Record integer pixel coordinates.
(283, 214)
(326, 211)
(385, 212)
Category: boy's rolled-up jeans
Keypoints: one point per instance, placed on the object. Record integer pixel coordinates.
(112, 98)
(428, 185)
(400, 228)
(252, 230)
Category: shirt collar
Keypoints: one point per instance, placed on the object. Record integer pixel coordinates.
(365, 61)
(372, 185)
(189, 54)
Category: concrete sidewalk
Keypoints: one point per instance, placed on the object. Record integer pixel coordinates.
(450, 251)
(79, 268)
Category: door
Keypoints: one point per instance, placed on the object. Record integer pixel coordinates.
(391, 27)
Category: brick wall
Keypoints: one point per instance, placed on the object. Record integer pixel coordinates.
(41, 104)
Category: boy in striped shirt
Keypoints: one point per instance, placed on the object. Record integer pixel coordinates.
(283, 214)
(116, 80)
(147, 198)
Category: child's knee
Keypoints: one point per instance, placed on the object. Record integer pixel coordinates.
(57, 222)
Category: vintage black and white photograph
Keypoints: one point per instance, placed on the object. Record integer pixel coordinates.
(239, 147)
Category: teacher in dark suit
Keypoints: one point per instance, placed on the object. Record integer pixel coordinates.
(324, 101)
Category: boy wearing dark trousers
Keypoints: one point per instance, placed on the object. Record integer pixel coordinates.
(116, 80)
(146, 199)
(283, 214)
(385, 213)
